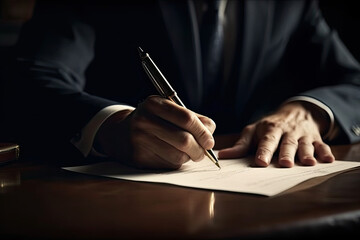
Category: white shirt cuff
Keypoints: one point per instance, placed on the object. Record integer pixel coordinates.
(84, 141)
(332, 130)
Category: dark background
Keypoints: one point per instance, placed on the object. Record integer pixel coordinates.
(344, 16)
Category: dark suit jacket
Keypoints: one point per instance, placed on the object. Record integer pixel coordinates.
(75, 59)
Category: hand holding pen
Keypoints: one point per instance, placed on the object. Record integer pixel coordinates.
(166, 91)
(157, 134)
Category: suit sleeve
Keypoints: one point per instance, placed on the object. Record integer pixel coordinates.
(339, 72)
(48, 103)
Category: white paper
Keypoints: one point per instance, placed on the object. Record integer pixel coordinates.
(235, 175)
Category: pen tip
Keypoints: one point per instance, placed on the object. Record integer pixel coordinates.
(217, 164)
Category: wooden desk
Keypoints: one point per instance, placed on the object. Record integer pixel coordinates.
(45, 202)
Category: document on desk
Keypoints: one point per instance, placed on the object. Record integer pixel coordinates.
(235, 175)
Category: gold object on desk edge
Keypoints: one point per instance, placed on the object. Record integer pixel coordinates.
(9, 152)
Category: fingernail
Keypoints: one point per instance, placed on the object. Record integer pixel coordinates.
(328, 158)
(286, 162)
(264, 158)
(309, 161)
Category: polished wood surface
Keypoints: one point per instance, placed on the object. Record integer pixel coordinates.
(39, 201)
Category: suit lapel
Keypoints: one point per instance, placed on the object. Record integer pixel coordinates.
(181, 24)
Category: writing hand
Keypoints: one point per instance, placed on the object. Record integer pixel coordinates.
(157, 134)
(292, 131)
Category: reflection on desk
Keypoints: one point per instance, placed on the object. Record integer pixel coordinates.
(47, 202)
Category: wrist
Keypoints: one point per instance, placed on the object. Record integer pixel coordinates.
(333, 129)
(319, 115)
(102, 137)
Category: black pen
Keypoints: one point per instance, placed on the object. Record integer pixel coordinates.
(165, 90)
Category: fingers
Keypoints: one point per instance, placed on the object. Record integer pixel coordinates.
(207, 122)
(291, 134)
(175, 134)
(153, 153)
(323, 152)
(306, 151)
(183, 118)
(267, 146)
(177, 138)
(185, 134)
(242, 146)
(287, 150)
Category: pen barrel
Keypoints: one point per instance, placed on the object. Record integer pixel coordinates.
(157, 78)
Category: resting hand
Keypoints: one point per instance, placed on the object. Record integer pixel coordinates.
(157, 134)
(292, 131)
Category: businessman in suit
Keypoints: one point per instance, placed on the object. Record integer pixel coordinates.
(275, 72)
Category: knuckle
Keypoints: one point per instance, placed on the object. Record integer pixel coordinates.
(264, 150)
(321, 144)
(247, 130)
(203, 133)
(286, 155)
(303, 142)
(290, 142)
(212, 123)
(209, 123)
(157, 104)
(268, 123)
(188, 118)
(242, 141)
(185, 142)
(150, 101)
(269, 138)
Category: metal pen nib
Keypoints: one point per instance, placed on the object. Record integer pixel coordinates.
(210, 153)
(165, 90)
